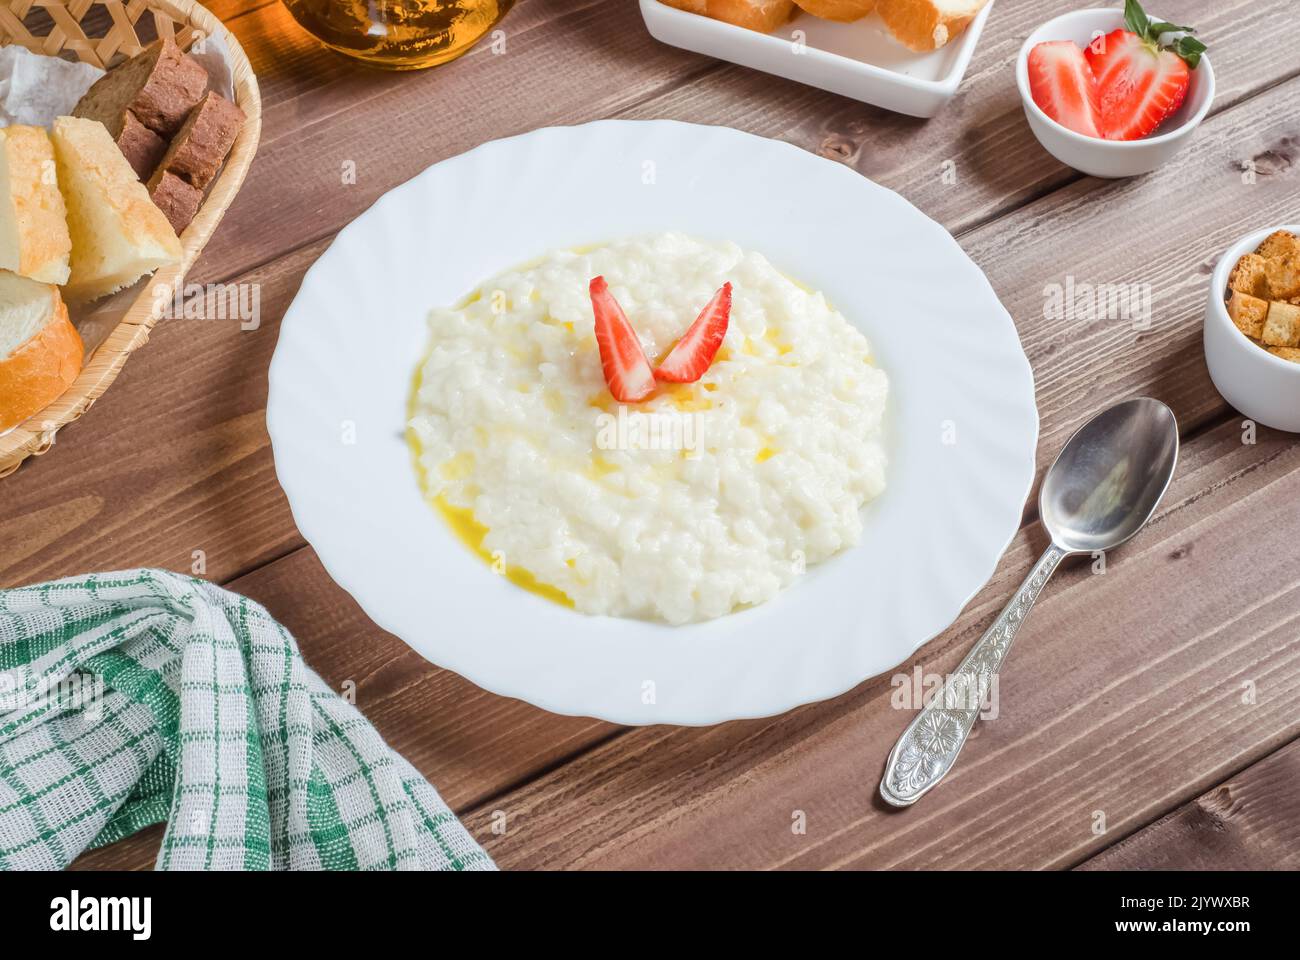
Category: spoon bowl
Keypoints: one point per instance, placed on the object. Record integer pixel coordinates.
(1110, 475)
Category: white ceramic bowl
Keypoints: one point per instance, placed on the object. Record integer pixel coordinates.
(1110, 158)
(1263, 387)
(859, 60)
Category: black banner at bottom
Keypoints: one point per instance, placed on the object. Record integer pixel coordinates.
(334, 910)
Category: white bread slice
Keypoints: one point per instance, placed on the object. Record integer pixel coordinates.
(34, 238)
(845, 11)
(761, 15)
(927, 24)
(40, 351)
(118, 235)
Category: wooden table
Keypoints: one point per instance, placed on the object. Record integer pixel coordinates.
(1149, 716)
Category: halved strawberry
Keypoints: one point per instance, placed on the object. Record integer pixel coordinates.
(627, 371)
(1063, 86)
(693, 353)
(1139, 84)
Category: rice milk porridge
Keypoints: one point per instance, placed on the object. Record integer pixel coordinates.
(706, 497)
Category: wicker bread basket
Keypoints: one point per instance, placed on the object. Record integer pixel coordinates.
(61, 28)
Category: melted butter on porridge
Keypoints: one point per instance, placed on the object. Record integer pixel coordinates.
(704, 498)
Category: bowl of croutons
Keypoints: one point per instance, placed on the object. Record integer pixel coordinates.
(1252, 327)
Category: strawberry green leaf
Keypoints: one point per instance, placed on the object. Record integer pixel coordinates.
(1135, 18)
(1190, 49)
(1187, 47)
(1162, 27)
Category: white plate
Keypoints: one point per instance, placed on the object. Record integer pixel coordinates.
(352, 338)
(859, 60)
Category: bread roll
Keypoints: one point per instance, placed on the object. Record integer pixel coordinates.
(761, 15)
(40, 351)
(34, 238)
(118, 235)
(927, 24)
(845, 11)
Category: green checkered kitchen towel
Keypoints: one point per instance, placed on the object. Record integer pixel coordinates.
(131, 698)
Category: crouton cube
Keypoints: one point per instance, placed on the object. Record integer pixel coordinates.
(1286, 353)
(1279, 244)
(1248, 313)
(1282, 326)
(1248, 276)
(1283, 277)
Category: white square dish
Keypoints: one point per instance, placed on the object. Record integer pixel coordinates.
(859, 60)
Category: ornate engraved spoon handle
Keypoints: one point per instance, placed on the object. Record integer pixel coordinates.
(929, 746)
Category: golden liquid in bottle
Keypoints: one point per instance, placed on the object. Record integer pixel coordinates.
(399, 34)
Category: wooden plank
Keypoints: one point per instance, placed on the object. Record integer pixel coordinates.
(175, 457)
(470, 744)
(565, 61)
(158, 493)
(172, 460)
(1123, 698)
(230, 10)
(241, 517)
(39, 528)
(1174, 223)
(1249, 822)
(237, 513)
(978, 158)
(578, 60)
(136, 852)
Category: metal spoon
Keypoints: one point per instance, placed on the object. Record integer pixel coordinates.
(1102, 489)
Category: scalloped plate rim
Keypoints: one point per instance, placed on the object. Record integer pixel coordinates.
(315, 529)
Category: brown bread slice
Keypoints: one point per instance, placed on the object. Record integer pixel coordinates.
(178, 200)
(200, 147)
(142, 147)
(159, 85)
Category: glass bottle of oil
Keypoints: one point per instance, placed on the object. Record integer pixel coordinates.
(399, 34)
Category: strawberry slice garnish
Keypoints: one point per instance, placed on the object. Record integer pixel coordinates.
(688, 360)
(1062, 84)
(1138, 84)
(1124, 85)
(627, 371)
